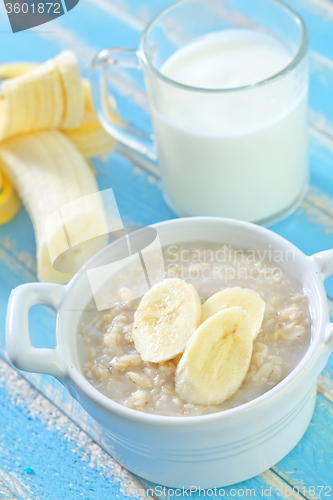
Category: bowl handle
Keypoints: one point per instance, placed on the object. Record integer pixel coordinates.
(324, 264)
(20, 350)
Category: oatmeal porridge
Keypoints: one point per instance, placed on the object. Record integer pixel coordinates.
(113, 365)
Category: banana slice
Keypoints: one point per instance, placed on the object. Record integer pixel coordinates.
(48, 97)
(243, 297)
(51, 178)
(165, 320)
(216, 358)
(177, 359)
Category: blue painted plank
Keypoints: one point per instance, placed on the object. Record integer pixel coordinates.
(98, 26)
(316, 445)
(320, 95)
(137, 193)
(318, 17)
(46, 453)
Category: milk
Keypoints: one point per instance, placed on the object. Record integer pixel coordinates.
(239, 153)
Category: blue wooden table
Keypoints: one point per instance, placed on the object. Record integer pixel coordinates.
(48, 448)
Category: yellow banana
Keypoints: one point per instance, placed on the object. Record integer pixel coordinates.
(88, 135)
(237, 296)
(54, 182)
(47, 97)
(166, 318)
(73, 91)
(216, 358)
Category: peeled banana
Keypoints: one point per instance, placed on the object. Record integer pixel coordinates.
(54, 180)
(9, 201)
(12, 70)
(87, 134)
(90, 137)
(52, 106)
(47, 97)
(243, 297)
(216, 358)
(165, 320)
(68, 69)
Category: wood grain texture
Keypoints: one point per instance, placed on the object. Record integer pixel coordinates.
(43, 453)
(12, 486)
(60, 434)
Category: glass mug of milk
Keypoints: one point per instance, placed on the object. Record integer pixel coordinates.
(227, 86)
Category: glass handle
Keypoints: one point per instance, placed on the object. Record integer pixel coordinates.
(115, 59)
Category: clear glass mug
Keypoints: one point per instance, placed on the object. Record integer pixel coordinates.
(255, 166)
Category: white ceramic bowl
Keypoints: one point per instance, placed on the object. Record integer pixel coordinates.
(208, 451)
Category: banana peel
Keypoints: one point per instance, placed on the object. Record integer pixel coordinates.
(61, 195)
(15, 69)
(9, 201)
